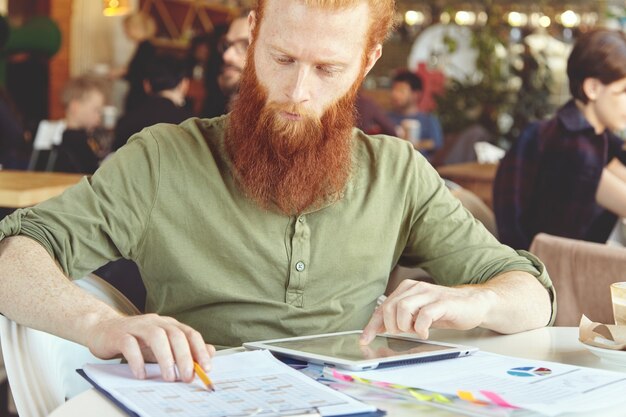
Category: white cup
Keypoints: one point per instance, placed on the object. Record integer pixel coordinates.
(101, 69)
(412, 130)
(109, 117)
(618, 298)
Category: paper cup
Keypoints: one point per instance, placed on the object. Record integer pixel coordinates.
(412, 130)
(618, 298)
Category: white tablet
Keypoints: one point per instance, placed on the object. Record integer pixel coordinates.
(343, 350)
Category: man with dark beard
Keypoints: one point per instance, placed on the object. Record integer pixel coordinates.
(279, 219)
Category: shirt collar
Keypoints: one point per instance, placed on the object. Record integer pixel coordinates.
(572, 118)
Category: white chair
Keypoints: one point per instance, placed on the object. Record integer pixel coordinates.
(41, 368)
(49, 134)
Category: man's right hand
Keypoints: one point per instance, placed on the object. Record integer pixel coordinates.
(151, 338)
(57, 306)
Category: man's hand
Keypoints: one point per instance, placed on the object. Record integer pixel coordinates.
(151, 338)
(416, 306)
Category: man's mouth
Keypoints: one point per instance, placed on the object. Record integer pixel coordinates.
(291, 116)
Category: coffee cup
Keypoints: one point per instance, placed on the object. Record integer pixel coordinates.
(412, 130)
(618, 298)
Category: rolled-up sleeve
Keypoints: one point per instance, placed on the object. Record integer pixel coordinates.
(454, 247)
(102, 218)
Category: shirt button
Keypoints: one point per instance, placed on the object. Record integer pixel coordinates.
(300, 266)
(301, 219)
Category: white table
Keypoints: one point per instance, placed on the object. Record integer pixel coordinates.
(557, 344)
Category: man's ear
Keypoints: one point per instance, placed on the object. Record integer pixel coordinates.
(251, 24)
(372, 57)
(591, 87)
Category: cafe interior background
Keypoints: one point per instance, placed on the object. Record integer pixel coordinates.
(498, 63)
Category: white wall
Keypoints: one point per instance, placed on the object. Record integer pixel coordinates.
(98, 42)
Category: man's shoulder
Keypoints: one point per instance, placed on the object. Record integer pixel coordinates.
(191, 131)
(380, 142)
(383, 152)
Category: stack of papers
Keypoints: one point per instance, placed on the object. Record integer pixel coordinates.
(246, 384)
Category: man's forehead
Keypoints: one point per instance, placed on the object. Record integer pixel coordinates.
(294, 22)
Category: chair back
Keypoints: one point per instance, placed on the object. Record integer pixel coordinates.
(49, 134)
(41, 368)
(477, 207)
(582, 273)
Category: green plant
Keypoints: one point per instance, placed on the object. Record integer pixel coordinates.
(507, 91)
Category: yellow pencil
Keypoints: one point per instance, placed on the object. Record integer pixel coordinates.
(203, 376)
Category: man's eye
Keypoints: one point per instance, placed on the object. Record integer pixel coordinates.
(326, 70)
(284, 60)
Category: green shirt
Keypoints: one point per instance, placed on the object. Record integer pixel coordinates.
(213, 259)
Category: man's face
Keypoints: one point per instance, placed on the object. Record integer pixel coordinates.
(309, 57)
(233, 48)
(290, 128)
(402, 97)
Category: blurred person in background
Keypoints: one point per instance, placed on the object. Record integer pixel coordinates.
(13, 147)
(566, 176)
(371, 118)
(166, 87)
(140, 28)
(84, 99)
(406, 93)
(203, 65)
(232, 47)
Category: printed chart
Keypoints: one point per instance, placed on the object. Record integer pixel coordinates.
(529, 371)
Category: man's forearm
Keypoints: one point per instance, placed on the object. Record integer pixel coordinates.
(35, 292)
(518, 302)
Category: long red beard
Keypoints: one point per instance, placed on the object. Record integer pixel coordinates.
(284, 164)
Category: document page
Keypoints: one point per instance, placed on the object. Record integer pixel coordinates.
(546, 387)
(246, 384)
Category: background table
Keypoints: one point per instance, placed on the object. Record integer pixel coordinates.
(476, 177)
(27, 188)
(557, 344)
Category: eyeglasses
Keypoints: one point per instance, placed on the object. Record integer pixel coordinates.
(240, 45)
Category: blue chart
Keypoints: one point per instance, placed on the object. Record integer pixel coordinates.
(529, 371)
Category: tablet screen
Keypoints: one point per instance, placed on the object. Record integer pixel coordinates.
(347, 346)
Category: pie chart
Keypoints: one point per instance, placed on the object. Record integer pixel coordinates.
(529, 371)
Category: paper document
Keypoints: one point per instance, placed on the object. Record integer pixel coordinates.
(246, 384)
(549, 388)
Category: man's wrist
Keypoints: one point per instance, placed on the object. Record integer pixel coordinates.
(92, 321)
(487, 299)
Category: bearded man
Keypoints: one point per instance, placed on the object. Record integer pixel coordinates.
(277, 220)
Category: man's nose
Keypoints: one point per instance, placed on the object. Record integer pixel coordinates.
(298, 89)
